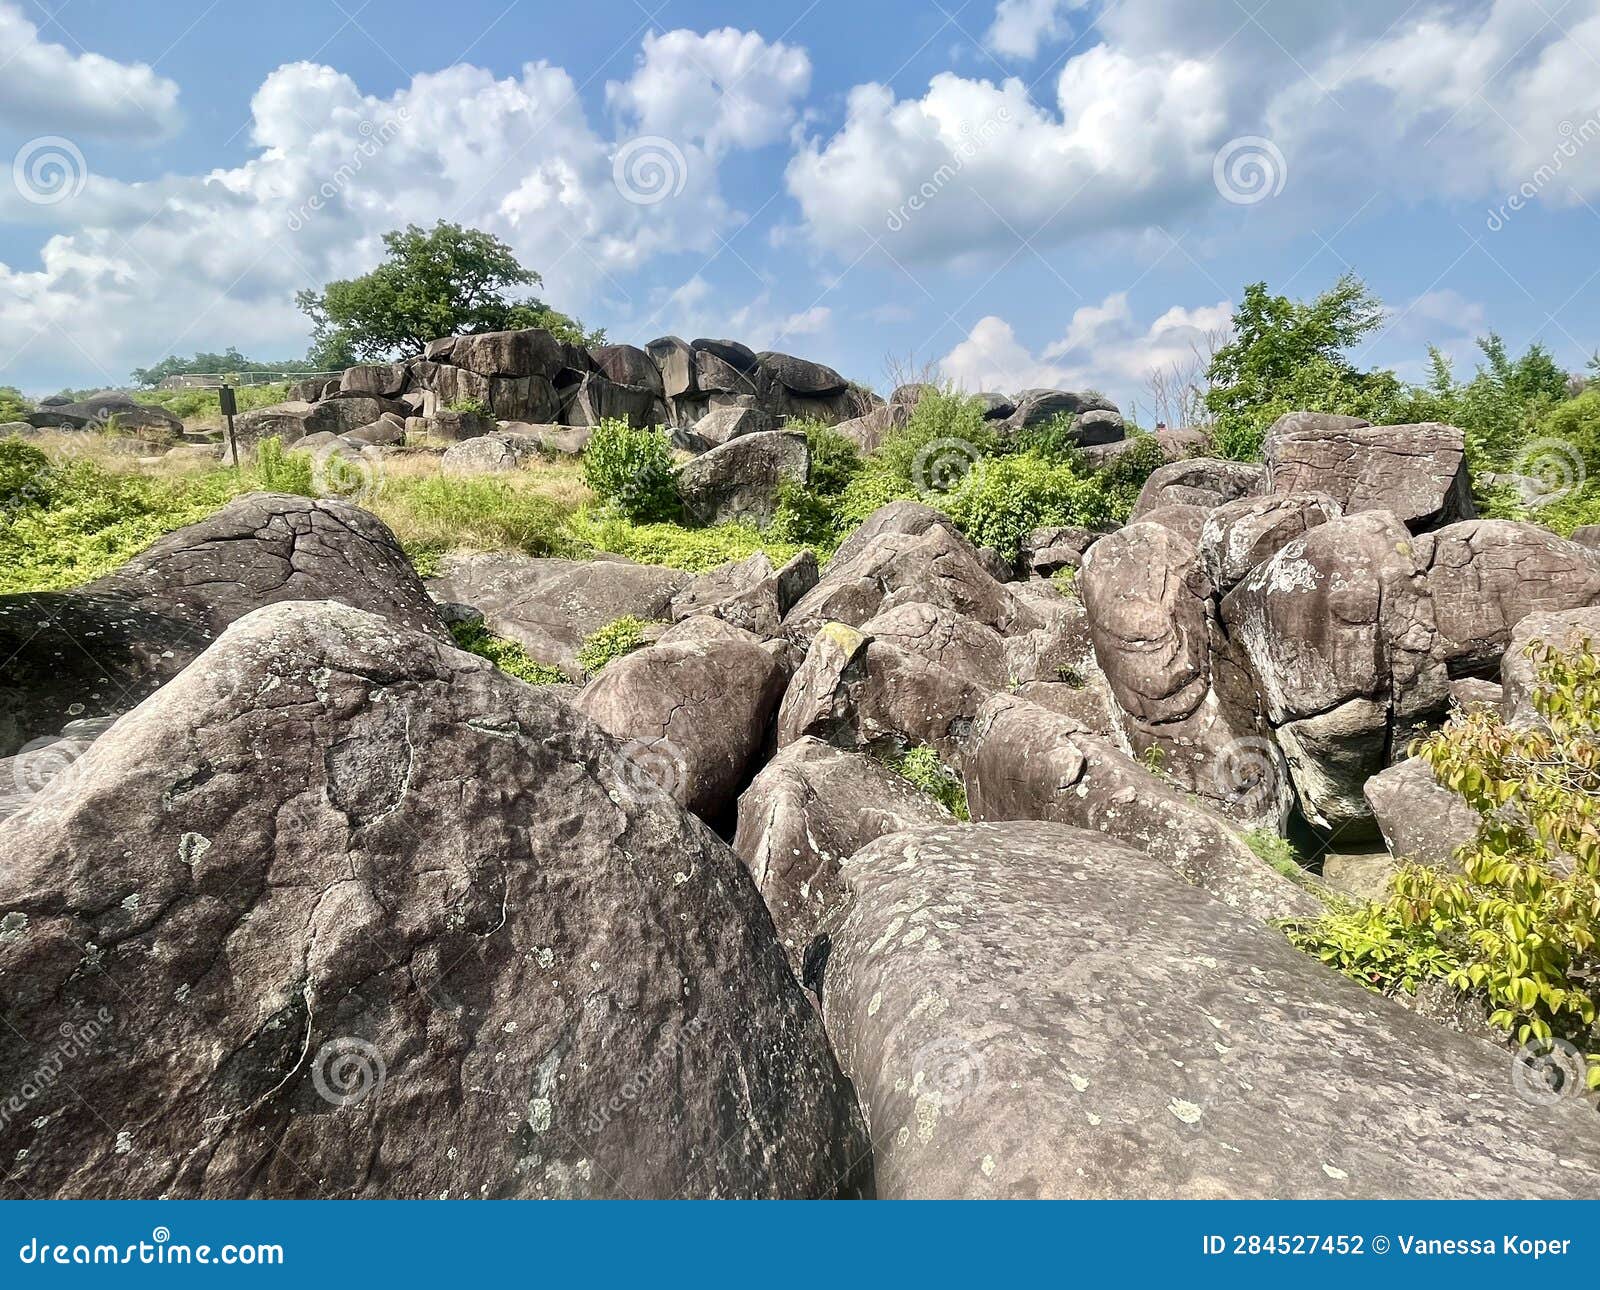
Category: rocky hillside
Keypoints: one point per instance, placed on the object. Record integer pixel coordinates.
(931, 867)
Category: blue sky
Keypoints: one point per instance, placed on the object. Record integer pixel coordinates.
(1021, 192)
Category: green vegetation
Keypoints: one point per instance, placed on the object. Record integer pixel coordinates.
(1519, 923)
(506, 655)
(921, 768)
(202, 405)
(443, 281)
(632, 471)
(229, 361)
(1277, 851)
(611, 642)
(66, 523)
(1289, 355)
(12, 404)
(694, 550)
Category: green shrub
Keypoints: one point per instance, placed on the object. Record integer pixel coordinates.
(507, 655)
(12, 404)
(283, 472)
(24, 474)
(921, 768)
(1124, 476)
(1519, 922)
(944, 435)
(1277, 851)
(622, 636)
(834, 459)
(875, 486)
(803, 518)
(1002, 499)
(476, 407)
(632, 470)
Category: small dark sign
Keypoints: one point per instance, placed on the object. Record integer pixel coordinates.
(226, 399)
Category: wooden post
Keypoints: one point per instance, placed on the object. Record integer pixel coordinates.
(229, 406)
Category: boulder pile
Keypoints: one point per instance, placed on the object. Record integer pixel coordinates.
(913, 873)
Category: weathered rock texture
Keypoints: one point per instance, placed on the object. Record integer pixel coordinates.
(357, 915)
(1028, 1010)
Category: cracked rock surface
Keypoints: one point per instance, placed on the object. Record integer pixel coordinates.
(354, 914)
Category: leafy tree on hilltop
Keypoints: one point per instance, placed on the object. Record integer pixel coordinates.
(1289, 355)
(445, 281)
(1499, 407)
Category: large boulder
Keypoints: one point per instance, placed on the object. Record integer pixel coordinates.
(550, 606)
(1034, 407)
(1419, 817)
(675, 361)
(933, 566)
(1337, 630)
(108, 408)
(380, 380)
(800, 375)
(810, 809)
(348, 912)
(629, 365)
(739, 481)
(722, 424)
(695, 711)
(596, 398)
(1416, 472)
(1206, 482)
(748, 593)
(1030, 1010)
(99, 649)
(530, 351)
(952, 642)
(1486, 576)
(1026, 762)
(1157, 639)
(857, 692)
(489, 454)
(1239, 535)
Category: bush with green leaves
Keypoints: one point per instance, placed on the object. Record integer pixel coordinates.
(618, 637)
(835, 460)
(507, 655)
(632, 471)
(921, 768)
(1519, 922)
(1290, 355)
(943, 433)
(12, 404)
(282, 471)
(1002, 499)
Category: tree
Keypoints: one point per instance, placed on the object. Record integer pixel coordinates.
(446, 281)
(12, 404)
(230, 360)
(1289, 355)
